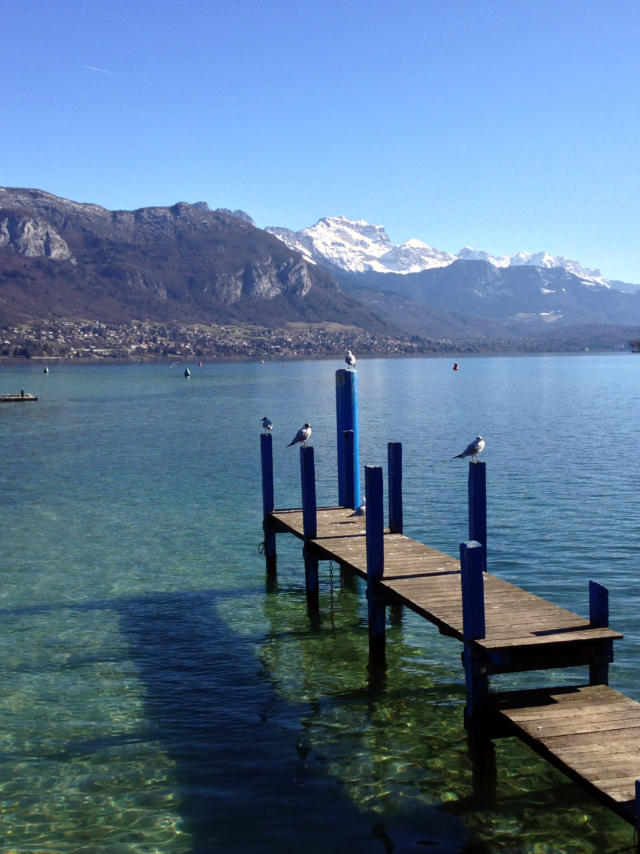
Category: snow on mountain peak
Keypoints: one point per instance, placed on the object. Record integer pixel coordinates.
(358, 247)
(536, 259)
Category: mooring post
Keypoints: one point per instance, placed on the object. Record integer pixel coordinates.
(375, 560)
(473, 628)
(348, 469)
(599, 618)
(638, 815)
(268, 501)
(309, 524)
(394, 460)
(347, 419)
(482, 753)
(477, 487)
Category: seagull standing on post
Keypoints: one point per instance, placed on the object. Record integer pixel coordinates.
(301, 436)
(267, 424)
(350, 359)
(472, 450)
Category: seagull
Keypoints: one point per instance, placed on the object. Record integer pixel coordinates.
(301, 436)
(350, 359)
(472, 450)
(267, 424)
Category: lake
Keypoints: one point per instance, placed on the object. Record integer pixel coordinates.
(158, 695)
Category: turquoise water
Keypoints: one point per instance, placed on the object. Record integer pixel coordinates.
(159, 696)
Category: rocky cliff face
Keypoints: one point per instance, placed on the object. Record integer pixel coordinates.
(184, 263)
(33, 238)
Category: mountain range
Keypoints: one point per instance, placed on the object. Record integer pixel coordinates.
(426, 291)
(188, 264)
(356, 246)
(184, 263)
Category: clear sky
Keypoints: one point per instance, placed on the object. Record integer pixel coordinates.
(505, 125)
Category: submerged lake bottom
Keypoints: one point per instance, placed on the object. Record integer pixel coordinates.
(161, 694)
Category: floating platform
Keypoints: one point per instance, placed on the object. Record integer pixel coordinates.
(17, 398)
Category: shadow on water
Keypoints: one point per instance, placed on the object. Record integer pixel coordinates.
(245, 780)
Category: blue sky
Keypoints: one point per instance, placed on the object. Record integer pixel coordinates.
(505, 125)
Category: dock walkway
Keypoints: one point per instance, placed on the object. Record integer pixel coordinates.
(591, 732)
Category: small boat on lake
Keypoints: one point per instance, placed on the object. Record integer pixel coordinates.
(187, 372)
(23, 397)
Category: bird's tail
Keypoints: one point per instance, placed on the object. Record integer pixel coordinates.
(458, 457)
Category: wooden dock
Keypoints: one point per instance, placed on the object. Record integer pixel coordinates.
(590, 732)
(518, 623)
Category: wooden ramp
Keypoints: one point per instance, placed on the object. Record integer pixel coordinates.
(592, 733)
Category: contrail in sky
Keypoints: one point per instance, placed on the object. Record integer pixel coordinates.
(104, 71)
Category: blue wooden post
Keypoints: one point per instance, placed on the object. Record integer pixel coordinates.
(308, 481)
(394, 458)
(473, 628)
(375, 560)
(268, 503)
(599, 618)
(638, 814)
(309, 524)
(598, 605)
(477, 484)
(348, 469)
(347, 419)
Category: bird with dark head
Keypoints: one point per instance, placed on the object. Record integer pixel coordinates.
(301, 436)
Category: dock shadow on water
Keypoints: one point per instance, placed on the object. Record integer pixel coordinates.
(245, 775)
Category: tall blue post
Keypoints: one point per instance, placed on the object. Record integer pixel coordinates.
(473, 628)
(599, 618)
(638, 814)
(375, 560)
(478, 507)
(309, 524)
(348, 469)
(394, 458)
(347, 419)
(268, 503)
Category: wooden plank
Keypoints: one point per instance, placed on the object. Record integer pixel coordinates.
(427, 581)
(590, 732)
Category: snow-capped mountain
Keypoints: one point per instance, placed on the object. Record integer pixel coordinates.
(359, 247)
(535, 259)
